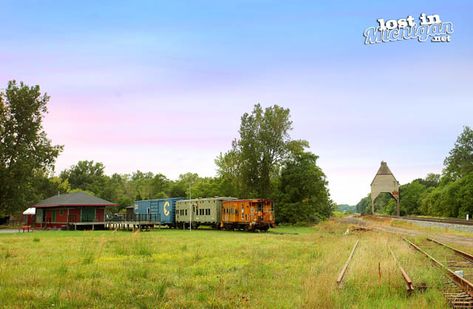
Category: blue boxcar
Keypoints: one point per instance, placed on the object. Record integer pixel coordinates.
(161, 211)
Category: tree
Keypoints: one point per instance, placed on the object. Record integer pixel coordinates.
(459, 163)
(410, 197)
(160, 186)
(364, 205)
(431, 180)
(228, 171)
(452, 199)
(25, 151)
(303, 193)
(118, 189)
(142, 182)
(384, 203)
(257, 155)
(87, 176)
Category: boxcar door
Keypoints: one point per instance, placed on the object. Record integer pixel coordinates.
(154, 211)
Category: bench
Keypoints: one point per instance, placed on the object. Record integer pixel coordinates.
(25, 228)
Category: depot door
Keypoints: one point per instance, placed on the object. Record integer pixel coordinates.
(87, 214)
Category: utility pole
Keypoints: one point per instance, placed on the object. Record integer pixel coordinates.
(190, 206)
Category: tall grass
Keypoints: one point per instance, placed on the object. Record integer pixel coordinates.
(296, 268)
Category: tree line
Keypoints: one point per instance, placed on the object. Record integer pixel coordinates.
(262, 162)
(449, 194)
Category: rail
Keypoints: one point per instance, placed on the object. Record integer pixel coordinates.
(428, 219)
(405, 276)
(345, 267)
(457, 251)
(464, 284)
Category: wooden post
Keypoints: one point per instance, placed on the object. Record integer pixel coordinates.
(379, 272)
(398, 210)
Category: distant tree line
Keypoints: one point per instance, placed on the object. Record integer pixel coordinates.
(447, 195)
(263, 162)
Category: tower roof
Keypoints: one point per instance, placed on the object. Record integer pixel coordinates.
(384, 170)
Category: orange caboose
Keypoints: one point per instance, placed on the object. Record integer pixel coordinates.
(251, 214)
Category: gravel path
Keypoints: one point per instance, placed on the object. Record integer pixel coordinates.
(457, 239)
(8, 231)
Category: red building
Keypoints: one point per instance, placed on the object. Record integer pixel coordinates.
(72, 210)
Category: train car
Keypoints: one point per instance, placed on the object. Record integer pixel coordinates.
(248, 214)
(197, 212)
(161, 211)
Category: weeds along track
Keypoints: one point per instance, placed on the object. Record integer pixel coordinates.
(458, 266)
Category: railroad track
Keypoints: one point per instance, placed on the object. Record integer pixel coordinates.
(457, 265)
(440, 220)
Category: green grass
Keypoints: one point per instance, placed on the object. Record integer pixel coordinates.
(296, 267)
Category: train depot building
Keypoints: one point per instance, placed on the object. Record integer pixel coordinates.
(77, 210)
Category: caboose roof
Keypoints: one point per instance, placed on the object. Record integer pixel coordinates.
(74, 199)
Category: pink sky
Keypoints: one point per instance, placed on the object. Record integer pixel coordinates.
(161, 86)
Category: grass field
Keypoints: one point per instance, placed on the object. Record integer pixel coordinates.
(211, 269)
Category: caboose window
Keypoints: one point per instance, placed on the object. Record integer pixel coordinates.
(260, 206)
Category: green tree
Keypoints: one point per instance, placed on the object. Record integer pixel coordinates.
(25, 151)
(303, 195)
(450, 199)
(87, 176)
(384, 204)
(257, 155)
(459, 162)
(451, 195)
(431, 180)
(118, 189)
(142, 182)
(160, 186)
(228, 172)
(364, 205)
(410, 197)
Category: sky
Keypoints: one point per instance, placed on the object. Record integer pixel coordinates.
(161, 85)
